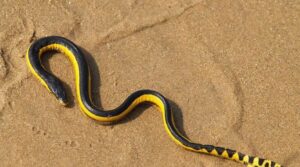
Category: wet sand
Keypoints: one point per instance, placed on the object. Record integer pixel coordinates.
(231, 70)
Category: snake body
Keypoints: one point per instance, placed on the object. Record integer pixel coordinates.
(83, 91)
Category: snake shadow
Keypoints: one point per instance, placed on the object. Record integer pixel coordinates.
(95, 77)
(96, 83)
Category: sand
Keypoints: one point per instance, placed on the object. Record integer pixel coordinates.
(231, 70)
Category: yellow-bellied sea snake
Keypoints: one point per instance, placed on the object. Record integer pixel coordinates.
(83, 91)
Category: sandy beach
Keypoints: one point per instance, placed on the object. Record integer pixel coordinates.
(231, 70)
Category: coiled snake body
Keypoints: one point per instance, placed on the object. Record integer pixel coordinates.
(83, 91)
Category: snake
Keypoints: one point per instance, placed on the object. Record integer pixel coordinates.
(83, 93)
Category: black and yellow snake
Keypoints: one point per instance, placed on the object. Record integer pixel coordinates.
(83, 91)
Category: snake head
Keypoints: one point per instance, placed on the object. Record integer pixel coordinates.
(56, 87)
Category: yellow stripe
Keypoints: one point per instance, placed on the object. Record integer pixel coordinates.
(34, 72)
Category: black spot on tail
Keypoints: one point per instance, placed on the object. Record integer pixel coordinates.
(241, 156)
(209, 148)
(251, 159)
(260, 161)
(220, 150)
(230, 152)
(272, 164)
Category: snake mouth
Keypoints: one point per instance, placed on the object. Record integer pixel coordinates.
(63, 101)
